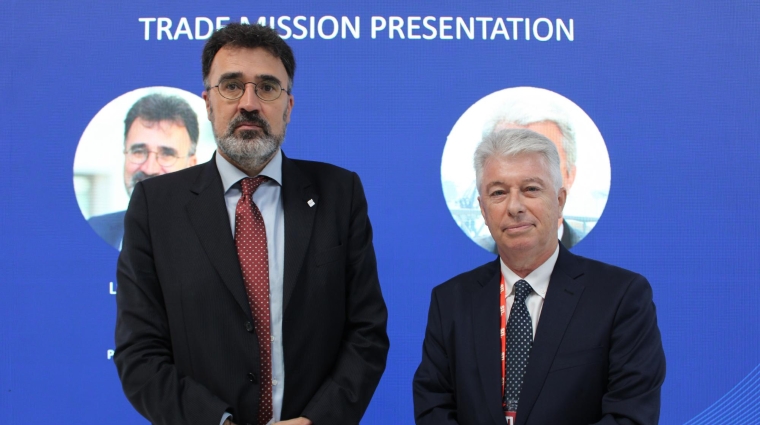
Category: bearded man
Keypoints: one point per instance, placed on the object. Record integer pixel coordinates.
(160, 137)
(248, 289)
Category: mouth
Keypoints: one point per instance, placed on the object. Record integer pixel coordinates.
(248, 122)
(248, 126)
(518, 228)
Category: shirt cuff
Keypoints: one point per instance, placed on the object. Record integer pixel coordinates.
(225, 416)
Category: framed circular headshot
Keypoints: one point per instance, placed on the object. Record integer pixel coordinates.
(141, 134)
(584, 161)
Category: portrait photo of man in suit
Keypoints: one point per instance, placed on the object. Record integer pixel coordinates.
(584, 161)
(540, 335)
(247, 286)
(160, 136)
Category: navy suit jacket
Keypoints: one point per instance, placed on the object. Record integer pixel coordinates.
(186, 350)
(597, 356)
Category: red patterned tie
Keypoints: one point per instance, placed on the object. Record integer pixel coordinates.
(251, 242)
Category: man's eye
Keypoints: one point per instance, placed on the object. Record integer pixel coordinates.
(267, 87)
(497, 193)
(167, 153)
(138, 151)
(231, 85)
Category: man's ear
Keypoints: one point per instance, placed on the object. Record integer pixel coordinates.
(288, 110)
(562, 198)
(206, 99)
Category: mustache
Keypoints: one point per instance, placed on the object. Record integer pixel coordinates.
(247, 117)
(140, 176)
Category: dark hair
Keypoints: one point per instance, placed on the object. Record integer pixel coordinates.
(249, 37)
(158, 107)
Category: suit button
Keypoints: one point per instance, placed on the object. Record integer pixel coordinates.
(252, 377)
(249, 326)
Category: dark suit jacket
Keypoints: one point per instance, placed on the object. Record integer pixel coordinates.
(110, 227)
(596, 358)
(185, 348)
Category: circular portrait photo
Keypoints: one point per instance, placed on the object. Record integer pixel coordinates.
(139, 135)
(584, 162)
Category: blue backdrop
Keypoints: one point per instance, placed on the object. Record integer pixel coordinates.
(672, 87)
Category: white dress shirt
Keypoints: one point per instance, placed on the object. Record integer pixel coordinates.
(538, 279)
(267, 198)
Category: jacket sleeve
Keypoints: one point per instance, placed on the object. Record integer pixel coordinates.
(636, 361)
(345, 394)
(143, 357)
(433, 384)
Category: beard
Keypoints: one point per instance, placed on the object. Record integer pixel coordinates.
(249, 149)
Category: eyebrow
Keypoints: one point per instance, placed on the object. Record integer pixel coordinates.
(168, 150)
(163, 149)
(526, 180)
(137, 146)
(534, 180)
(261, 77)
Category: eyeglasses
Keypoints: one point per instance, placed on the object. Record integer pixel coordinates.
(165, 157)
(233, 89)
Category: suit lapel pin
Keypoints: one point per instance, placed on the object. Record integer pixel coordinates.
(311, 202)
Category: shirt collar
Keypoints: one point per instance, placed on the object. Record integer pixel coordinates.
(231, 174)
(538, 279)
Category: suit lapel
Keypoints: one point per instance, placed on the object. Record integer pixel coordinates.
(208, 215)
(485, 322)
(300, 203)
(561, 298)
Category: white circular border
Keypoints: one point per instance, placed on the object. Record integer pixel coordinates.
(100, 155)
(588, 195)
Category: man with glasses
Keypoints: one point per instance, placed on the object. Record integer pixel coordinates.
(160, 136)
(248, 288)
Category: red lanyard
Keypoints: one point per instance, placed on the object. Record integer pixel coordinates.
(503, 331)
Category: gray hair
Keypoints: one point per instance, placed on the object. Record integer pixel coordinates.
(524, 112)
(514, 142)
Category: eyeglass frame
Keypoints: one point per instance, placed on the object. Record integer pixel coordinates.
(127, 153)
(255, 89)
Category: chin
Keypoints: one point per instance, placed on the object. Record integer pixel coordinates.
(520, 245)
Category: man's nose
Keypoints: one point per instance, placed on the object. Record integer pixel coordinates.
(515, 204)
(249, 101)
(151, 165)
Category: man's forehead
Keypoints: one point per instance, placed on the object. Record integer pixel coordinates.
(245, 61)
(523, 167)
(144, 131)
(527, 159)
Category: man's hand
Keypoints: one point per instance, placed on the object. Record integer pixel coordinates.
(228, 422)
(296, 421)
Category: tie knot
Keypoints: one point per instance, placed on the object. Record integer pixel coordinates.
(522, 290)
(250, 184)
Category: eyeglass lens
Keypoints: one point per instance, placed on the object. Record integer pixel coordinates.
(233, 89)
(165, 157)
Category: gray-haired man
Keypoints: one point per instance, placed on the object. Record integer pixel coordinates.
(579, 340)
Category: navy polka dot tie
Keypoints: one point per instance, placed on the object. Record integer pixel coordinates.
(519, 342)
(251, 243)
